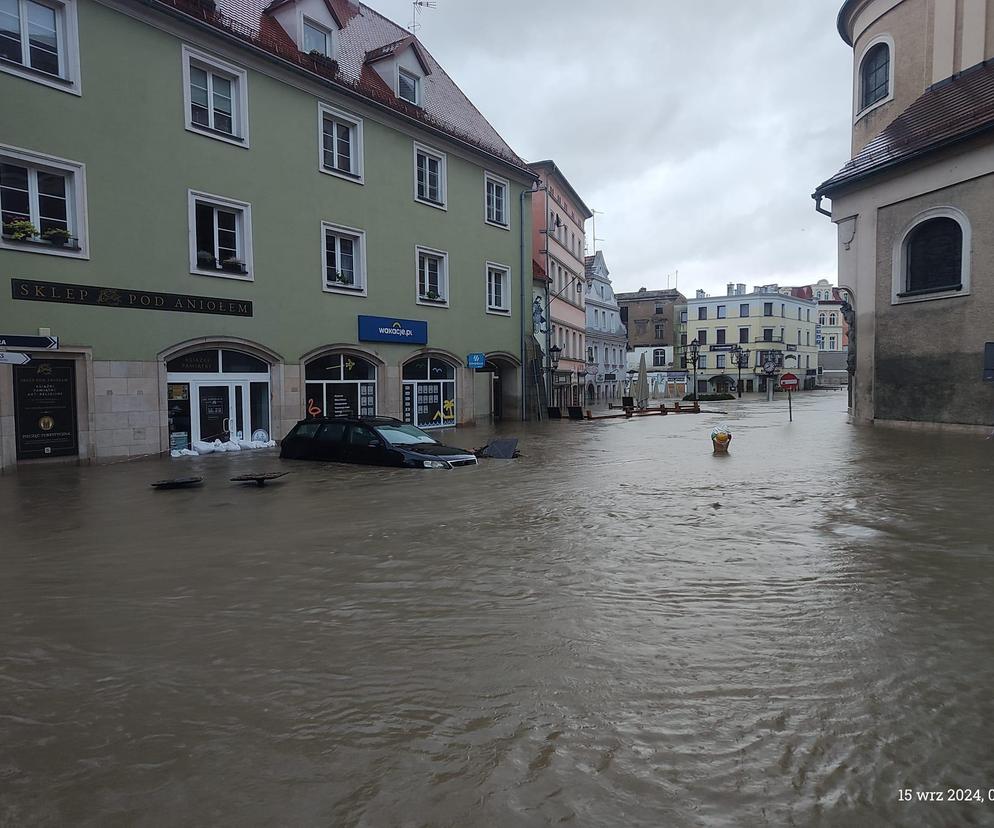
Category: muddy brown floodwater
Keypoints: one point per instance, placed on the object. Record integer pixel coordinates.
(617, 629)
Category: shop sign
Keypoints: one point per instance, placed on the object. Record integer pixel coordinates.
(610, 378)
(562, 378)
(105, 297)
(389, 329)
(476, 360)
(45, 408)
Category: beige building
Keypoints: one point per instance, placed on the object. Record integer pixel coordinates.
(651, 316)
(770, 325)
(915, 211)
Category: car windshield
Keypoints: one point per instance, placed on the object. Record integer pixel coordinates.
(402, 434)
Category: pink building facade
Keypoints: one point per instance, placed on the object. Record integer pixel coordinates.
(558, 244)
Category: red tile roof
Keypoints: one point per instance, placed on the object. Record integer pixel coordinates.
(363, 31)
(947, 113)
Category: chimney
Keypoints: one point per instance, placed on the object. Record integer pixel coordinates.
(740, 289)
(730, 289)
(701, 294)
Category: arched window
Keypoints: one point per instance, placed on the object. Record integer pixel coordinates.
(933, 256)
(429, 387)
(659, 358)
(874, 75)
(821, 319)
(833, 319)
(340, 385)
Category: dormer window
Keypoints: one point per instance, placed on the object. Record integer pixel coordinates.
(316, 38)
(409, 87)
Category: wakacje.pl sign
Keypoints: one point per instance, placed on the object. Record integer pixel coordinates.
(388, 329)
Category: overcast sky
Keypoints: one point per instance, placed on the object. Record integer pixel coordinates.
(699, 129)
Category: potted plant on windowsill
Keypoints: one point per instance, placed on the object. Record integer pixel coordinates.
(341, 280)
(56, 236)
(206, 260)
(20, 230)
(432, 296)
(233, 265)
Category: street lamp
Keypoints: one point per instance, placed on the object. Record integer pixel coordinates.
(693, 351)
(740, 357)
(554, 353)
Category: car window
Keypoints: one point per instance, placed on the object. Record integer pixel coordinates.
(331, 433)
(307, 430)
(402, 434)
(361, 436)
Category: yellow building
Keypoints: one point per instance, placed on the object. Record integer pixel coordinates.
(771, 326)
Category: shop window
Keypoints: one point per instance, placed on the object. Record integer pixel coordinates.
(340, 385)
(429, 393)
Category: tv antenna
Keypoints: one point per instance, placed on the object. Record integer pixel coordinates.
(416, 7)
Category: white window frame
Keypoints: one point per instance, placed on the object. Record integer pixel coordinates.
(489, 177)
(359, 259)
(306, 21)
(505, 309)
(239, 97)
(75, 201)
(417, 85)
(858, 113)
(443, 277)
(355, 123)
(244, 210)
(899, 257)
(423, 149)
(68, 79)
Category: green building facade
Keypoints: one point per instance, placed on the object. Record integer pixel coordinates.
(233, 215)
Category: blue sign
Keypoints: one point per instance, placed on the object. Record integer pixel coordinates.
(476, 360)
(388, 329)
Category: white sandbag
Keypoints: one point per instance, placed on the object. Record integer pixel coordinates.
(231, 445)
(203, 448)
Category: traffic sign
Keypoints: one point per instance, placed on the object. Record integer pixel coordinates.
(14, 358)
(789, 382)
(44, 343)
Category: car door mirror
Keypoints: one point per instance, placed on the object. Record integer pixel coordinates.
(374, 444)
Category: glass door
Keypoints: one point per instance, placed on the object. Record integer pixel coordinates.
(215, 412)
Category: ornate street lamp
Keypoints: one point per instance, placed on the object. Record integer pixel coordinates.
(740, 358)
(693, 351)
(554, 352)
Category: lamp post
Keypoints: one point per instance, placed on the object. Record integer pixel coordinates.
(740, 356)
(693, 351)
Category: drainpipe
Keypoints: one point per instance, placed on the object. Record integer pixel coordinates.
(525, 306)
(818, 206)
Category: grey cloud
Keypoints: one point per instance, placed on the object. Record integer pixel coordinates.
(699, 129)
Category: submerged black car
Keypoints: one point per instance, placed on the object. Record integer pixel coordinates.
(372, 441)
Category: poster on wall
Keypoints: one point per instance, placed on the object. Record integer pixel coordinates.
(45, 409)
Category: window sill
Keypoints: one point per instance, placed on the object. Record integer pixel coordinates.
(355, 178)
(438, 303)
(929, 295)
(37, 75)
(72, 251)
(218, 273)
(438, 205)
(501, 225)
(499, 311)
(346, 290)
(217, 135)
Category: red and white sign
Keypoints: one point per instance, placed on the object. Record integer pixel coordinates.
(789, 382)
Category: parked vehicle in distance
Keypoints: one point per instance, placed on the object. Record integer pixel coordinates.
(370, 441)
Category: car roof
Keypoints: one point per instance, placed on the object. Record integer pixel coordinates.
(366, 420)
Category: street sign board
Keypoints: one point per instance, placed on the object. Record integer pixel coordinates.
(476, 360)
(45, 343)
(14, 358)
(724, 347)
(789, 382)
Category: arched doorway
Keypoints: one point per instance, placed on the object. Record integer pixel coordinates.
(340, 385)
(429, 392)
(217, 394)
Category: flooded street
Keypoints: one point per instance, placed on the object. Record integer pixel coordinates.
(618, 628)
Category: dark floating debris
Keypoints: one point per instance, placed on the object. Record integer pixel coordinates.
(258, 479)
(504, 448)
(177, 483)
